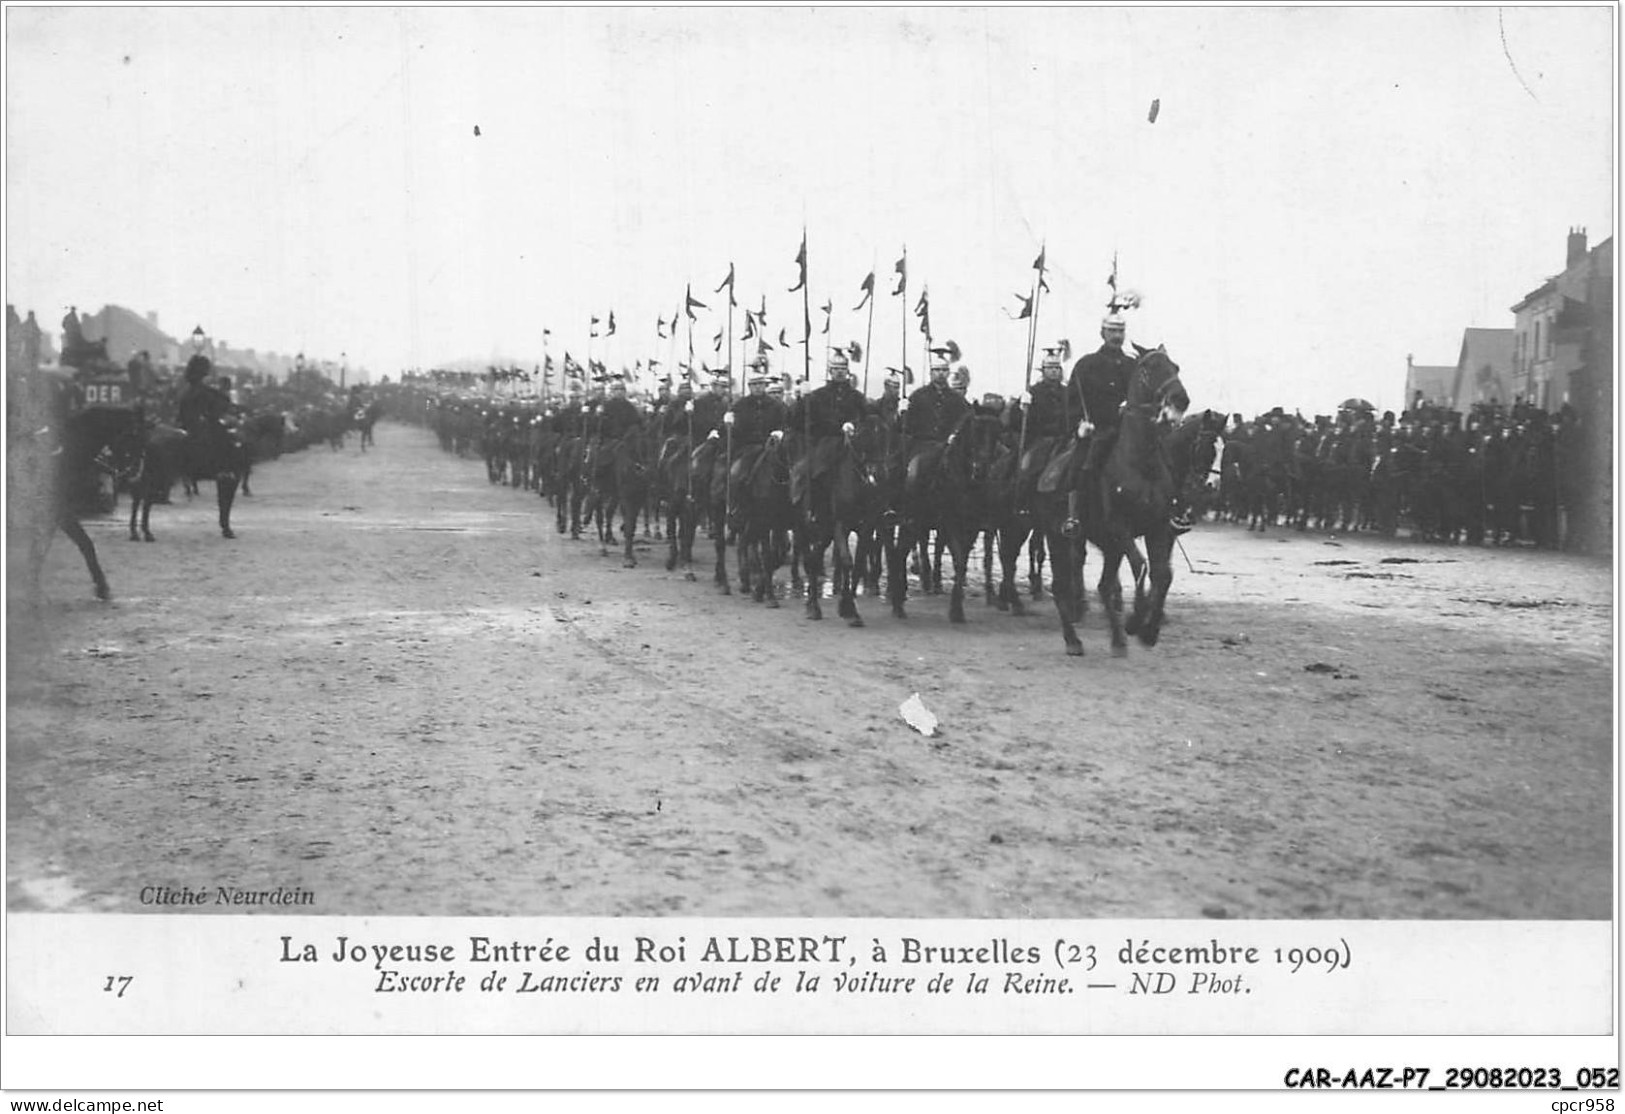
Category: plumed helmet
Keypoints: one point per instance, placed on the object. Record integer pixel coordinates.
(838, 360)
(1113, 320)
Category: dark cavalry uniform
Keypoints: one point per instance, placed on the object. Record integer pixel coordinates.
(827, 409)
(1101, 378)
(200, 403)
(674, 419)
(933, 412)
(1053, 411)
(757, 416)
(617, 417)
(885, 408)
(708, 411)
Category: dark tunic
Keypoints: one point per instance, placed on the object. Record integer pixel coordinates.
(1053, 412)
(827, 409)
(1103, 378)
(933, 412)
(755, 417)
(617, 417)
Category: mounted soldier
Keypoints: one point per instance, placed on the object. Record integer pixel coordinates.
(891, 394)
(1100, 383)
(825, 416)
(758, 414)
(936, 409)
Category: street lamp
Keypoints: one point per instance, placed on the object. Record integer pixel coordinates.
(199, 339)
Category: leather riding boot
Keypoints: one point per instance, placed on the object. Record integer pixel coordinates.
(1072, 524)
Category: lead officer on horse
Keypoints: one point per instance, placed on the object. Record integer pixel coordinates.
(1100, 384)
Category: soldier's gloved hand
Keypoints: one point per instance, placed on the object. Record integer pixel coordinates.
(728, 418)
(848, 428)
(1085, 427)
(775, 437)
(712, 436)
(902, 405)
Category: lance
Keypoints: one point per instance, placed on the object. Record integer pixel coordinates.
(547, 371)
(869, 338)
(731, 338)
(806, 327)
(1027, 409)
(1032, 344)
(806, 365)
(688, 410)
(903, 290)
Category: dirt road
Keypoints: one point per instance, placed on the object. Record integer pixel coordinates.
(402, 691)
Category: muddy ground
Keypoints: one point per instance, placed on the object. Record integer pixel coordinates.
(402, 690)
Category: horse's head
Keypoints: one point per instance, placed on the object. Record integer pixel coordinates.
(1155, 384)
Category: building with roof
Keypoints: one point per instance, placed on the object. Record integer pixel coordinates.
(1484, 369)
(128, 333)
(1429, 385)
(1556, 326)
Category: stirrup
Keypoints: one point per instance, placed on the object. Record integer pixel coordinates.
(1180, 525)
(1070, 527)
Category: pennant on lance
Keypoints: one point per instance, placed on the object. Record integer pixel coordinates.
(729, 283)
(801, 262)
(868, 288)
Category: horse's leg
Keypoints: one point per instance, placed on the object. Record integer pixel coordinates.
(812, 559)
(719, 517)
(846, 573)
(87, 549)
(673, 510)
(629, 522)
(1035, 565)
(225, 495)
(1161, 552)
(146, 515)
(691, 528)
(958, 540)
(990, 587)
(898, 552)
(1061, 585)
(135, 510)
(1011, 539)
(1111, 591)
(1142, 600)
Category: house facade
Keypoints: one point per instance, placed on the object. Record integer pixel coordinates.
(1556, 327)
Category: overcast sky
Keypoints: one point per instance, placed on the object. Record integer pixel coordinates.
(1322, 192)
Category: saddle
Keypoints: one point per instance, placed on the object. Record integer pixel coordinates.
(742, 473)
(813, 467)
(1058, 471)
(922, 461)
(1033, 461)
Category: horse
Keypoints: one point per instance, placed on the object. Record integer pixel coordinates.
(147, 461)
(674, 479)
(1129, 498)
(947, 489)
(619, 471)
(51, 467)
(262, 435)
(761, 515)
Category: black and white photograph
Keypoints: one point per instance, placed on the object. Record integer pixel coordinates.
(1070, 497)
